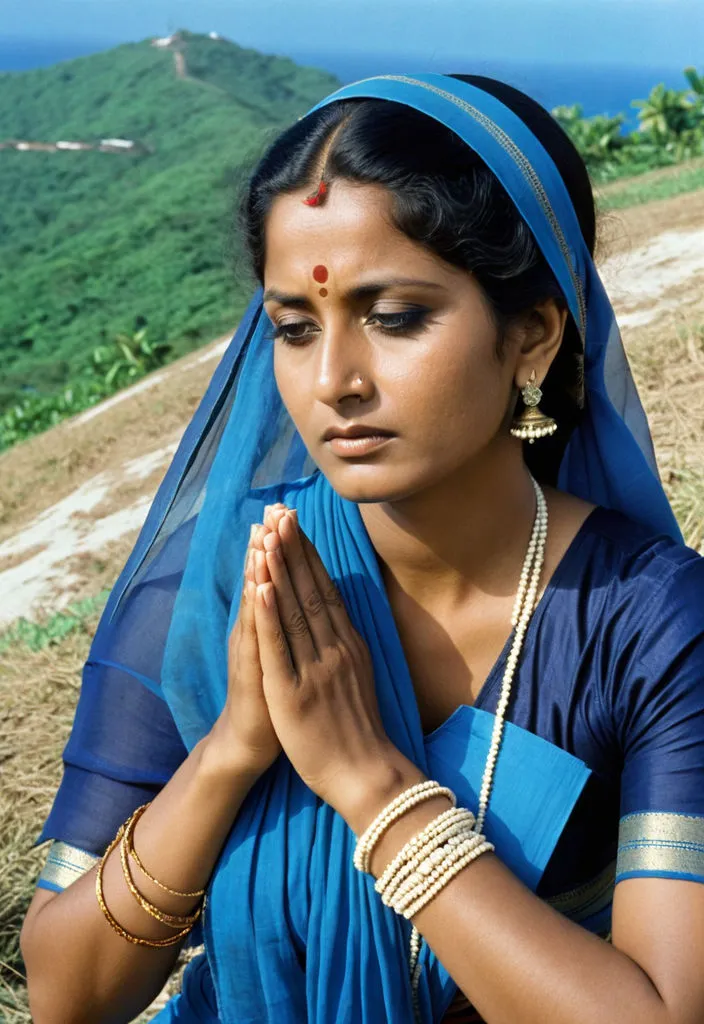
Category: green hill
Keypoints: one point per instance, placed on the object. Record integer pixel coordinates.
(93, 243)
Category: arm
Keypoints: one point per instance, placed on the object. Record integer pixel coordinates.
(78, 968)
(517, 959)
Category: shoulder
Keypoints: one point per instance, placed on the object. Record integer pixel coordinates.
(631, 601)
(650, 634)
(638, 571)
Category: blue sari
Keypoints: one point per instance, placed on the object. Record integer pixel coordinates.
(607, 722)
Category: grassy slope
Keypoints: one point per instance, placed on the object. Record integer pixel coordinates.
(657, 184)
(89, 241)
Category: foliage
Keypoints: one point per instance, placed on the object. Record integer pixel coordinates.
(134, 357)
(112, 367)
(93, 244)
(35, 636)
(646, 188)
(670, 130)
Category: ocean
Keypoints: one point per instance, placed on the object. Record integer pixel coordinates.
(600, 89)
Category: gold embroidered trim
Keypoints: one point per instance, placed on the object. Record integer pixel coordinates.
(65, 864)
(661, 843)
(590, 898)
(525, 166)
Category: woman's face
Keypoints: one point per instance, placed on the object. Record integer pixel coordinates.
(374, 331)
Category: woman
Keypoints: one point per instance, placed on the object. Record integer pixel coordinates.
(424, 245)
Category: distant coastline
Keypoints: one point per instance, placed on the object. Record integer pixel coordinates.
(599, 89)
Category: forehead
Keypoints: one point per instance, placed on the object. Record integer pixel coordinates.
(349, 233)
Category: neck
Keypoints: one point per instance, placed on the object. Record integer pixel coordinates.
(464, 537)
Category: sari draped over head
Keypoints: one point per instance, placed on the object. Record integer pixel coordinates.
(293, 932)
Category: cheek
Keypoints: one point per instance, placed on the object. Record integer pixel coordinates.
(294, 391)
(455, 385)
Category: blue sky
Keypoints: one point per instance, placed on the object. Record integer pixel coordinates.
(645, 33)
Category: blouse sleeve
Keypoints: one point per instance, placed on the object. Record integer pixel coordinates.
(660, 717)
(124, 745)
(123, 748)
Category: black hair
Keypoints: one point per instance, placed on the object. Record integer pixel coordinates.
(446, 198)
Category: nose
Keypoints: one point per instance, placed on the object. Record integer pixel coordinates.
(342, 373)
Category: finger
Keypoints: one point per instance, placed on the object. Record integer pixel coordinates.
(332, 601)
(274, 654)
(305, 585)
(246, 575)
(261, 571)
(272, 515)
(295, 622)
(259, 531)
(249, 565)
(248, 651)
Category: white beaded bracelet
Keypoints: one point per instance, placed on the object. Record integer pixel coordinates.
(420, 839)
(415, 908)
(410, 857)
(429, 865)
(392, 812)
(433, 869)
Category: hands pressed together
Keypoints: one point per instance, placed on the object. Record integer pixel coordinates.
(300, 678)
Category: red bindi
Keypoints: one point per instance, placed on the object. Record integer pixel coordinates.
(320, 274)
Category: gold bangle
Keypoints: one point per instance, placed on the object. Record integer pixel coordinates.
(172, 920)
(129, 832)
(157, 943)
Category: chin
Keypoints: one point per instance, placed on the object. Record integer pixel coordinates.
(374, 484)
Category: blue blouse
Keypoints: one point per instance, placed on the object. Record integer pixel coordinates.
(612, 672)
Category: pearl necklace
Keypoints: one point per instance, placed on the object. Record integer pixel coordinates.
(523, 608)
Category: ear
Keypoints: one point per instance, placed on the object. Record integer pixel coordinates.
(538, 336)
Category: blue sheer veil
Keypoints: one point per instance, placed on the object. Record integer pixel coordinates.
(284, 887)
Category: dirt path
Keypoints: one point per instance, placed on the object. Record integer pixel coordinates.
(72, 500)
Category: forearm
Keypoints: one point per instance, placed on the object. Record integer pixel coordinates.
(78, 968)
(517, 959)
(510, 953)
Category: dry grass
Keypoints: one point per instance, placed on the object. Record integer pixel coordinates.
(668, 364)
(38, 695)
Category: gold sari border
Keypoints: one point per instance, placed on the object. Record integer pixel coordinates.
(65, 864)
(661, 844)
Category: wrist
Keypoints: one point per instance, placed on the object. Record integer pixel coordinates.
(387, 777)
(220, 757)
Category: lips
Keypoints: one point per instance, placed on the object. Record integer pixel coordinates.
(354, 431)
(356, 442)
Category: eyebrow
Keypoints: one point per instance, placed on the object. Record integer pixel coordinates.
(362, 291)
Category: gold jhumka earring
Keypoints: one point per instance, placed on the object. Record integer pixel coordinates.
(532, 423)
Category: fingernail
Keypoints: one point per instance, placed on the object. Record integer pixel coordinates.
(252, 531)
(268, 595)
